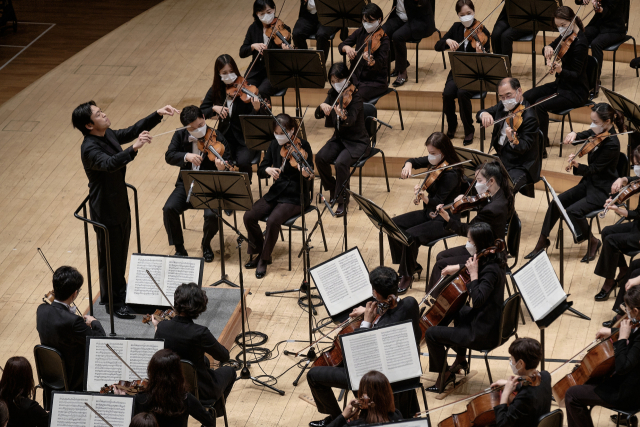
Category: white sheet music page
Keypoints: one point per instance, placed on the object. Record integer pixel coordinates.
(103, 367)
(140, 287)
(69, 410)
(178, 271)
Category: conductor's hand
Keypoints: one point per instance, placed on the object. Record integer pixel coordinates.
(273, 173)
(143, 138)
(358, 311)
(472, 267)
(326, 109)
(548, 52)
(168, 110)
(371, 311)
(453, 45)
(618, 184)
(194, 159)
(603, 333)
(220, 164)
(88, 320)
(569, 138)
(351, 52)
(449, 270)
(221, 111)
(487, 119)
(406, 171)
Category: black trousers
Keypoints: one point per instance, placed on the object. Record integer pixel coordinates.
(119, 252)
(503, 36)
(400, 34)
(278, 214)
(423, 229)
(519, 178)
(449, 95)
(632, 272)
(306, 27)
(617, 239)
(335, 151)
(261, 81)
(438, 338)
(577, 206)
(599, 41)
(175, 206)
(454, 256)
(578, 399)
(242, 157)
(371, 91)
(224, 377)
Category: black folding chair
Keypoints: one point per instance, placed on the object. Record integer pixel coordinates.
(52, 375)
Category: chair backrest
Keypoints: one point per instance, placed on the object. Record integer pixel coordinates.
(370, 111)
(626, 4)
(513, 237)
(509, 318)
(552, 419)
(50, 368)
(623, 165)
(540, 149)
(190, 377)
(593, 75)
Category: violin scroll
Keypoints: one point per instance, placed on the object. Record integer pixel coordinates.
(363, 402)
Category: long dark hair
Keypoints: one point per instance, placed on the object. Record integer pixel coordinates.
(482, 236)
(17, 380)
(607, 112)
(4, 413)
(442, 142)
(376, 386)
(219, 94)
(632, 298)
(167, 388)
(492, 170)
(566, 13)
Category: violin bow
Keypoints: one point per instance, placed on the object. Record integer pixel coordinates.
(511, 115)
(44, 258)
(169, 131)
(589, 139)
(443, 167)
(161, 291)
(370, 35)
(306, 164)
(98, 414)
(122, 360)
(475, 30)
(325, 335)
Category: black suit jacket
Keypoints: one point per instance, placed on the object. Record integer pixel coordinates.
(572, 81)
(407, 309)
(351, 132)
(620, 389)
(255, 34)
(67, 333)
(24, 412)
(105, 163)
(612, 18)
(528, 406)
(602, 169)
(366, 75)
(456, 32)
(524, 155)
(285, 189)
(421, 17)
(181, 145)
(193, 407)
(444, 190)
(340, 421)
(191, 341)
(495, 213)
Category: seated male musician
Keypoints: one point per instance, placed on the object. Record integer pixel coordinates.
(183, 152)
(384, 281)
(59, 327)
(521, 158)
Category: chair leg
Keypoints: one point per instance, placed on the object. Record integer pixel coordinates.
(635, 55)
(260, 187)
(486, 362)
(561, 133)
(442, 121)
(322, 231)
(598, 223)
(289, 248)
(399, 110)
(570, 122)
(184, 226)
(282, 104)
(444, 63)
(332, 52)
(386, 177)
(613, 83)
(281, 234)
(224, 412)
(417, 60)
(360, 184)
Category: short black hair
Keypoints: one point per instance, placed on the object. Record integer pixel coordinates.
(372, 12)
(190, 114)
(384, 281)
(66, 280)
(144, 419)
(189, 300)
(340, 70)
(81, 117)
(260, 5)
(528, 350)
(511, 81)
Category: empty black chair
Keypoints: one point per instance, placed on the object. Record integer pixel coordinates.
(191, 380)
(552, 419)
(514, 233)
(374, 101)
(52, 375)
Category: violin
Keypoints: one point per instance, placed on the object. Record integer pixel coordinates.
(590, 144)
(129, 387)
(373, 44)
(561, 50)
(49, 297)
(281, 33)
(214, 148)
(235, 89)
(288, 153)
(343, 101)
(363, 402)
(465, 203)
(430, 179)
(454, 295)
(476, 32)
(623, 195)
(515, 121)
(159, 315)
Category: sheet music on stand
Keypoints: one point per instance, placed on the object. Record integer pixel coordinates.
(561, 208)
(68, 409)
(416, 422)
(477, 158)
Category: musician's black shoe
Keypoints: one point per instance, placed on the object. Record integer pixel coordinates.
(460, 365)
(341, 210)
(451, 131)
(406, 282)
(594, 251)
(261, 269)
(394, 73)
(207, 253)
(321, 423)
(468, 139)
(610, 323)
(623, 420)
(122, 312)
(543, 244)
(181, 251)
(253, 263)
(544, 153)
(603, 295)
(399, 81)
(448, 379)
(228, 212)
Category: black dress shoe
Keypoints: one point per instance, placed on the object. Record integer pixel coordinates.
(228, 212)
(399, 81)
(608, 323)
(468, 139)
(122, 312)
(322, 423)
(181, 252)
(535, 252)
(623, 420)
(253, 263)
(394, 73)
(207, 253)
(341, 210)
(635, 63)
(451, 131)
(449, 378)
(261, 269)
(595, 253)
(406, 282)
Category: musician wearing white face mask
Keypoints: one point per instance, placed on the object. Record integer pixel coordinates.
(183, 152)
(518, 150)
(308, 25)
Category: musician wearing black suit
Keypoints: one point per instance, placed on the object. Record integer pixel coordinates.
(420, 225)
(454, 40)
(476, 327)
(183, 152)
(593, 189)
(322, 378)
(308, 25)
(191, 341)
(410, 20)
(371, 80)
(59, 327)
(228, 112)
(503, 35)
(496, 213)
(619, 390)
(521, 158)
(282, 201)
(349, 142)
(105, 163)
(570, 83)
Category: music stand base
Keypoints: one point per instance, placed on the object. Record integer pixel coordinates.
(577, 313)
(225, 281)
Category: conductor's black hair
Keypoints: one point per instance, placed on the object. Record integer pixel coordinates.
(81, 117)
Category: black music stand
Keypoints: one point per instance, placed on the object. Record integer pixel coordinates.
(382, 221)
(295, 69)
(532, 16)
(340, 13)
(477, 158)
(258, 131)
(479, 72)
(630, 109)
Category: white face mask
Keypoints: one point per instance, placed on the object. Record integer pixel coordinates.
(514, 368)
(636, 170)
(200, 132)
(596, 128)
(338, 86)
(510, 104)
(563, 30)
(370, 26)
(435, 159)
(228, 78)
(267, 18)
(471, 248)
(282, 139)
(467, 20)
(481, 187)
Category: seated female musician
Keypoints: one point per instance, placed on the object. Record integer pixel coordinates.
(594, 187)
(530, 403)
(143, 419)
(371, 80)
(18, 391)
(503, 35)
(381, 407)
(452, 40)
(308, 25)
(321, 379)
(218, 103)
(496, 213)
(166, 396)
(619, 390)
(570, 83)
(477, 327)
(191, 341)
(630, 279)
(618, 238)
(419, 224)
(282, 201)
(349, 142)
(256, 40)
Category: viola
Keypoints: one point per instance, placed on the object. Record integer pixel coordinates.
(373, 44)
(343, 101)
(289, 154)
(159, 315)
(214, 148)
(623, 195)
(476, 32)
(280, 33)
(235, 89)
(515, 121)
(430, 179)
(590, 144)
(129, 387)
